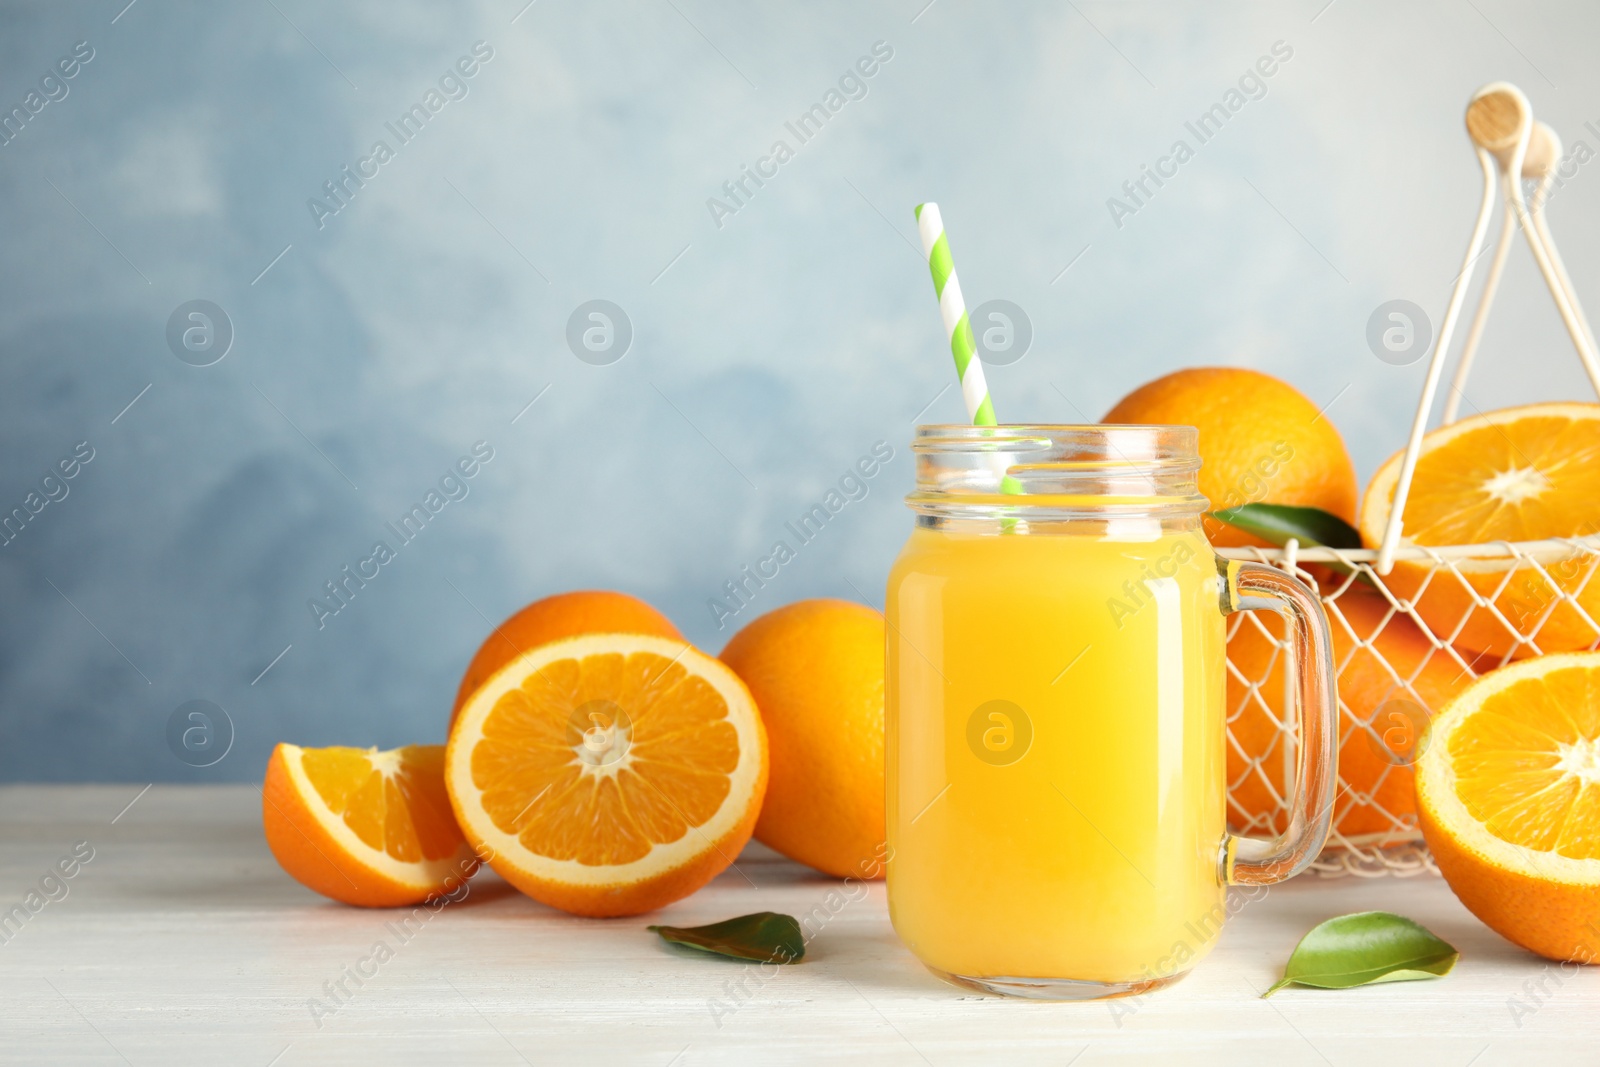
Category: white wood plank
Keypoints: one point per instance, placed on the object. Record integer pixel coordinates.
(182, 942)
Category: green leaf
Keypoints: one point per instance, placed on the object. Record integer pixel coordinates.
(1367, 947)
(766, 936)
(1280, 522)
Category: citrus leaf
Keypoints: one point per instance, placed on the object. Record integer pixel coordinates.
(1367, 947)
(765, 936)
(1280, 522)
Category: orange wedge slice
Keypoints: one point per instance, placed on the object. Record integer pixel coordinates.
(1521, 474)
(608, 774)
(365, 827)
(1508, 789)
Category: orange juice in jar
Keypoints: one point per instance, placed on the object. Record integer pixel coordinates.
(1054, 702)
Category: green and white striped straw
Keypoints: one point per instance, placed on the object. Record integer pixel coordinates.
(974, 390)
(953, 308)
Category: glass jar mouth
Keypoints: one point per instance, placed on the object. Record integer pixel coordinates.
(1028, 469)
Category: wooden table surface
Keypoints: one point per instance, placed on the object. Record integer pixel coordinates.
(180, 941)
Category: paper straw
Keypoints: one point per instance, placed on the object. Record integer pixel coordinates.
(953, 308)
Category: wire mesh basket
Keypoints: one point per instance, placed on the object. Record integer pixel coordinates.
(1393, 665)
(1412, 623)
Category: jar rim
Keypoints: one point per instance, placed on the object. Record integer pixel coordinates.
(1153, 441)
(1079, 468)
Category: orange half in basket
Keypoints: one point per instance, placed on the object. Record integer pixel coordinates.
(1521, 474)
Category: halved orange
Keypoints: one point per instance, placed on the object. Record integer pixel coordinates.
(608, 774)
(363, 826)
(1508, 789)
(1520, 474)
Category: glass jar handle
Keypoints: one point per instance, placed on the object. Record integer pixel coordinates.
(1252, 587)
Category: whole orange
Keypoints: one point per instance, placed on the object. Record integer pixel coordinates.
(1261, 439)
(1392, 681)
(816, 670)
(587, 611)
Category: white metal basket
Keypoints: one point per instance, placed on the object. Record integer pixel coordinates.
(1526, 589)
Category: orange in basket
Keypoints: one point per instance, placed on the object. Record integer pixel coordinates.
(1391, 681)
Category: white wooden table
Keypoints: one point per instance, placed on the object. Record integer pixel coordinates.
(182, 942)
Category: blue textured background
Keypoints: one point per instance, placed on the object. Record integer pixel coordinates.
(768, 356)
